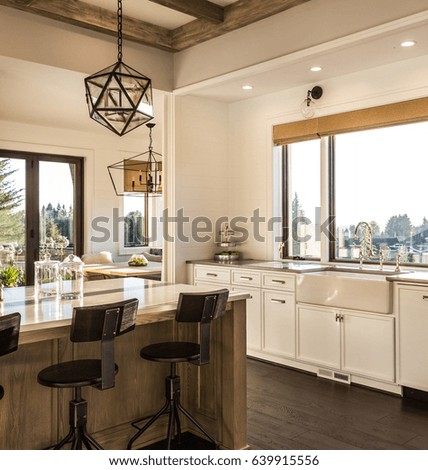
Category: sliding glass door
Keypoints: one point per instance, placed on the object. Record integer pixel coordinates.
(41, 208)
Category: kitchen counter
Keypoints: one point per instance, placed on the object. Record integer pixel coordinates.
(415, 276)
(36, 416)
(284, 266)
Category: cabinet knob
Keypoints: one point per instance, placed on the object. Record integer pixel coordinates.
(212, 274)
(425, 297)
(277, 301)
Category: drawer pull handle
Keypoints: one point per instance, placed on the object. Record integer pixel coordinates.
(212, 274)
(278, 301)
(277, 281)
(425, 297)
(246, 278)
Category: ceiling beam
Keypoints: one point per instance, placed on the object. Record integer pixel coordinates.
(201, 9)
(95, 18)
(236, 15)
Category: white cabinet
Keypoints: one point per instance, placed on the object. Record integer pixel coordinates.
(413, 337)
(279, 320)
(318, 334)
(278, 324)
(361, 343)
(250, 281)
(369, 345)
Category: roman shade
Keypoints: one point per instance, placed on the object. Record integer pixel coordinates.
(369, 118)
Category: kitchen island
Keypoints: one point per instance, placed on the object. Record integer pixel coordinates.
(34, 417)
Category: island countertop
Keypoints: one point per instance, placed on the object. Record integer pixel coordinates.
(46, 318)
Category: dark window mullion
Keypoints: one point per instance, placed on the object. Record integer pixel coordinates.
(32, 217)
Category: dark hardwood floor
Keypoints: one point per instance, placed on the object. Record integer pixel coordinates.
(289, 409)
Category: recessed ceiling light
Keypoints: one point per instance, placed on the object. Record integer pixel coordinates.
(408, 43)
(247, 87)
(316, 68)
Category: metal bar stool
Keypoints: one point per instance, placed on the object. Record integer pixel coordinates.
(199, 308)
(9, 335)
(96, 323)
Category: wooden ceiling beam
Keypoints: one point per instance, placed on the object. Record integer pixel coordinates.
(201, 9)
(236, 15)
(98, 19)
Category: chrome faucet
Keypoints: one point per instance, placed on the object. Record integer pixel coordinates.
(363, 247)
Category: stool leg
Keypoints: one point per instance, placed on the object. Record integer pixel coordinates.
(162, 411)
(197, 424)
(78, 435)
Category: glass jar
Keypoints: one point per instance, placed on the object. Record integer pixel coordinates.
(46, 278)
(71, 278)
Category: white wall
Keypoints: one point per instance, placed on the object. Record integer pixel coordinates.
(202, 170)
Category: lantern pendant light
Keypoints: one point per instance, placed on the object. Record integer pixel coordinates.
(119, 97)
(140, 175)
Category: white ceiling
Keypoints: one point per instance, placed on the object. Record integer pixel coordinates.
(372, 48)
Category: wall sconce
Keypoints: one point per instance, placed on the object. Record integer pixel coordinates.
(308, 105)
(139, 175)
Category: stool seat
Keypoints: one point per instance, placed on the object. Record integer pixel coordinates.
(173, 351)
(79, 373)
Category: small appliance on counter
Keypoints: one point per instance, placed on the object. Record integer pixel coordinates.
(225, 242)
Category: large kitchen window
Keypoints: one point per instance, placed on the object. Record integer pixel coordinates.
(41, 210)
(380, 177)
(377, 176)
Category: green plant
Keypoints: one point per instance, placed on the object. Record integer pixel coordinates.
(11, 276)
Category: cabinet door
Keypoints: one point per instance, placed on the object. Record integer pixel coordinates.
(318, 336)
(368, 345)
(254, 319)
(279, 323)
(413, 338)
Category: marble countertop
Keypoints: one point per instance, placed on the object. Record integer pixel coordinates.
(40, 319)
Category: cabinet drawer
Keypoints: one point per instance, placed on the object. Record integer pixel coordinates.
(246, 278)
(278, 281)
(207, 273)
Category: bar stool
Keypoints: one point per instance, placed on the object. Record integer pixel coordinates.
(95, 323)
(9, 335)
(199, 308)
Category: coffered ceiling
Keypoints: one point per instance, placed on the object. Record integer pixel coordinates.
(171, 25)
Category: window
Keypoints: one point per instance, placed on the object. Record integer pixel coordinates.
(41, 208)
(377, 176)
(380, 177)
(142, 224)
(301, 203)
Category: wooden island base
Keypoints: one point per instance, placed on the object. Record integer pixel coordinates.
(34, 417)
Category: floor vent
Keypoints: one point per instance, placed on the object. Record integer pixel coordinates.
(333, 375)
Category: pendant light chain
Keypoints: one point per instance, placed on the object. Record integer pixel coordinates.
(151, 139)
(119, 30)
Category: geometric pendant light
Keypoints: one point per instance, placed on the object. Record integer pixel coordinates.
(140, 175)
(119, 97)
